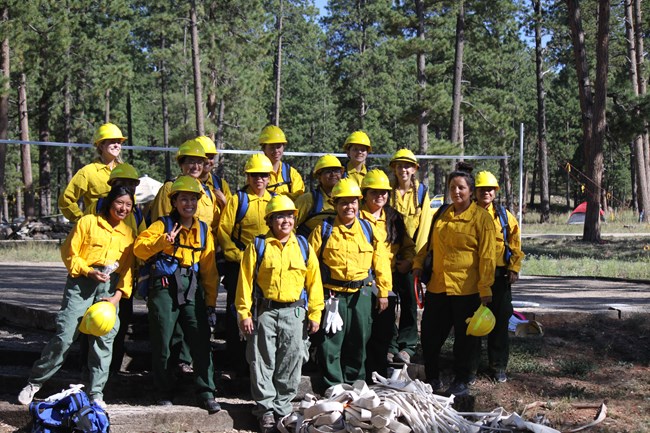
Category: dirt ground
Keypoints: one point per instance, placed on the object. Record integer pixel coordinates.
(580, 363)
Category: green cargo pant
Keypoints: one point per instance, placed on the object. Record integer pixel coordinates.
(276, 352)
(79, 294)
(164, 312)
(343, 355)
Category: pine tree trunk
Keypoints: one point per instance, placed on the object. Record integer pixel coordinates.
(457, 95)
(595, 165)
(423, 117)
(107, 106)
(277, 70)
(4, 116)
(44, 157)
(67, 130)
(196, 67)
(165, 110)
(26, 159)
(545, 199)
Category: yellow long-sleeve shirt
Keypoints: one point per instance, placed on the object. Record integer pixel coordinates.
(251, 225)
(407, 205)
(463, 253)
(207, 209)
(89, 183)
(305, 202)
(295, 190)
(349, 256)
(225, 188)
(355, 174)
(514, 241)
(282, 276)
(153, 241)
(404, 249)
(93, 243)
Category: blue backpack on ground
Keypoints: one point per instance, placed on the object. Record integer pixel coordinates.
(72, 413)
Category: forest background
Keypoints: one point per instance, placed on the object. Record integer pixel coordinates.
(437, 77)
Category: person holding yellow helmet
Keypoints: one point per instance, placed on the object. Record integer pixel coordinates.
(411, 199)
(463, 242)
(357, 146)
(316, 205)
(218, 186)
(127, 176)
(389, 226)
(279, 296)
(191, 159)
(98, 254)
(183, 289)
(352, 257)
(242, 219)
(91, 181)
(284, 178)
(508, 263)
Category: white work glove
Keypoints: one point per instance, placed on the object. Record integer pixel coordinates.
(212, 317)
(333, 320)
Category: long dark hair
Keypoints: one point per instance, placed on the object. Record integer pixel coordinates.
(463, 170)
(395, 227)
(115, 192)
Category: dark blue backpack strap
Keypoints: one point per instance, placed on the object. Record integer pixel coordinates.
(100, 203)
(260, 248)
(286, 174)
(318, 201)
(367, 229)
(242, 208)
(206, 188)
(422, 192)
(325, 233)
(167, 221)
(204, 233)
(304, 247)
(503, 219)
(217, 181)
(139, 217)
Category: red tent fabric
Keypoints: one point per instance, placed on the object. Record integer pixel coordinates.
(578, 214)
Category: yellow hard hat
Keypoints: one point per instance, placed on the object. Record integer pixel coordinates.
(106, 131)
(208, 145)
(404, 155)
(272, 134)
(190, 148)
(326, 161)
(280, 203)
(481, 323)
(357, 137)
(99, 319)
(486, 179)
(346, 188)
(185, 183)
(376, 179)
(124, 171)
(258, 163)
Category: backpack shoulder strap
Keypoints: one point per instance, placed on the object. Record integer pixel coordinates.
(437, 215)
(137, 214)
(204, 234)
(304, 247)
(367, 229)
(242, 205)
(317, 206)
(260, 247)
(217, 181)
(326, 232)
(422, 192)
(167, 221)
(503, 219)
(286, 173)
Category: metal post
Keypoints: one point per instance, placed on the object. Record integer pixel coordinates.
(521, 176)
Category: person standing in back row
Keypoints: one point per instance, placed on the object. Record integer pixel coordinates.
(508, 261)
(284, 178)
(91, 181)
(357, 146)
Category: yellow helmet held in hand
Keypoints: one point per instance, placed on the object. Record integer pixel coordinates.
(208, 145)
(108, 131)
(124, 171)
(486, 179)
(190, 148)
(99, 319)
(185, 184)
(481, 323)
(357, 137)
(326, 161)
(258, 163)
(280, 203)
(404, 155)
(272, 135)
(375, 179)
(346, 188)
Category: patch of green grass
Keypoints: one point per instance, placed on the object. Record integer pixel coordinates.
(579, 368)
(30, 252)
(526, 363)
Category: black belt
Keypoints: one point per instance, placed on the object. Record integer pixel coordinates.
(500, 272)
(268, 304)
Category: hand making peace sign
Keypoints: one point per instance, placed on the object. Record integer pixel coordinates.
(171, 236)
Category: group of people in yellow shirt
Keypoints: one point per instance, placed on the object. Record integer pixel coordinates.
(327, 266)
